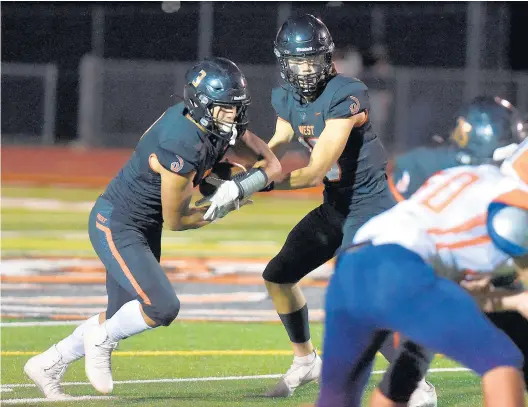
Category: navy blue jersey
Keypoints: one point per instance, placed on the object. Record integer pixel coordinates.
(361, 168)
(409, 171)
(180, 147)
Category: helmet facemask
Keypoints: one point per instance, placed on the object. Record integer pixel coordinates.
(225, 130)
(306, 73)
(229, 129)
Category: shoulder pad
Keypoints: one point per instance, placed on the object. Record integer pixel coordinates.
(279, 101)
(350, 97)
(179, 155)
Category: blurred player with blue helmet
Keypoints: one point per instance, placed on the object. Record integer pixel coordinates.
(464, 223)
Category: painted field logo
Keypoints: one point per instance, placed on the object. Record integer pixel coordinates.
(176, 166)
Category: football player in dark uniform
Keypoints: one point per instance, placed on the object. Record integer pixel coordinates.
(151, 192)
(329, 113)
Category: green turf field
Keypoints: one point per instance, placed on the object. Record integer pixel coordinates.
(165, 364)
(256, 230)
(231, 349)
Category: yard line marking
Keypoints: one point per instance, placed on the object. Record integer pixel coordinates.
(44, 400)
(226, 352)
(39, 323)
(171, 380)
(214, 378)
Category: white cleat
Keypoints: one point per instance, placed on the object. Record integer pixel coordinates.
(46, 371)
(98, 358)
(424, 396)
(297, 375)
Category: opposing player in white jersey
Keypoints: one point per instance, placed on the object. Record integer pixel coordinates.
(402, 273)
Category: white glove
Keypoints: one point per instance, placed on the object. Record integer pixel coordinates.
(224, 200)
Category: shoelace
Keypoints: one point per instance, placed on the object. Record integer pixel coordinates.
(56, 372)
(106, 349)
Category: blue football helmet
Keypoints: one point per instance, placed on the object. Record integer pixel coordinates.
(486, 129)
(304, 39)
(217, 82)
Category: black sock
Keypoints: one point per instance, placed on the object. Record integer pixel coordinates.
(296, 324)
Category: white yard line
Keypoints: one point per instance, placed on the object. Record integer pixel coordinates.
(43, 400)
(212, 378)
(39, 323)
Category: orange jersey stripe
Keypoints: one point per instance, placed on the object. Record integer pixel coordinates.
(122, 263)
(464, 243)
(479, 220)
(517, 198)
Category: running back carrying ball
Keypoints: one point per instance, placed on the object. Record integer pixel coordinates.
(223, 171)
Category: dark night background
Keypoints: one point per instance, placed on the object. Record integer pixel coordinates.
(243, 31)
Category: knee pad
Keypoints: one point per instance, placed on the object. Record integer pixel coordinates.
(164, 310)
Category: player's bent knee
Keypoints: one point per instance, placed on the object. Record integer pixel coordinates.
(170, 312)
(164, 311)
(279, 271)
(271, 273)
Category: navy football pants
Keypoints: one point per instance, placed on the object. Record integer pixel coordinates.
(131, 257)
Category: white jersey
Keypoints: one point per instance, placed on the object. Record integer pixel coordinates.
(445, 221)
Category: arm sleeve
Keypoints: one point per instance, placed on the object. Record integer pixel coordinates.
(349, 100)
(175, 156)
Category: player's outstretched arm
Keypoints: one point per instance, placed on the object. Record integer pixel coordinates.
(283, 134)
(176, 194)
(269, 163)
(325, 153)
(231, 193)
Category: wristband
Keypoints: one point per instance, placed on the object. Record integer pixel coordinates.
(250, 182)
